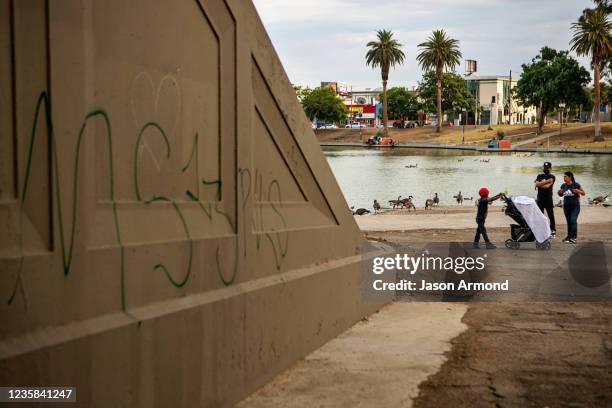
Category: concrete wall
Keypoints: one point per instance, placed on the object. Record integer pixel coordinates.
(172, 235)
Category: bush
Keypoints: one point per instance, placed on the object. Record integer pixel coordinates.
(500, 135)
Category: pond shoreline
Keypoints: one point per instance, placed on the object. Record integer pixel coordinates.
(475, 148)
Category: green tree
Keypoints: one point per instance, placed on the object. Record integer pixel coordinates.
(324, 105)
(384, 53)
(439, 53)
(552, 77)
(401, 104)
(455, 95)
(593, 37)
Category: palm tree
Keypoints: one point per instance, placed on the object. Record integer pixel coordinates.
(439, 53)
(384, 53)
(593, 37)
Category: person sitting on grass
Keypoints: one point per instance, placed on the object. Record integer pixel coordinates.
(481, 216)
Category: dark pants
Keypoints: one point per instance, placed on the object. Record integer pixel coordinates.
(549, 207)
(480, 229)
(571, 215)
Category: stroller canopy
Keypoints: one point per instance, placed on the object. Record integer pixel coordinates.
(537, 222)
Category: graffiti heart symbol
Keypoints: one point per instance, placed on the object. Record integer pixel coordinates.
(160, 105)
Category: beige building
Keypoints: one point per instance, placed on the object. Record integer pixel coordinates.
(493, 96)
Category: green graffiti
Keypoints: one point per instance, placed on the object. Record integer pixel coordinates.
(194, 150)
(279, 248)
(208, 209)
(67, 255)
(67, 243)
(159, 266)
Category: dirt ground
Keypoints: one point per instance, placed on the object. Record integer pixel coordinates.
(522, 354)
(527, 355)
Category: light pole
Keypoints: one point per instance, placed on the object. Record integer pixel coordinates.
(561, 108)
(464, 119)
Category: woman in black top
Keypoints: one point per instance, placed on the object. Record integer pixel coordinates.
(571, 192)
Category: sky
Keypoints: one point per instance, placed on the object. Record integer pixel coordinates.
(325, 40)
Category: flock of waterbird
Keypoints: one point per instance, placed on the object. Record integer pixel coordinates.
(430, 203)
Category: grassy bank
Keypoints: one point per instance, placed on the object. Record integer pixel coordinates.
(574, 135)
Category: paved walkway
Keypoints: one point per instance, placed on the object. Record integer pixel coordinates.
(377, 363)
(543, 136)
(434, 220)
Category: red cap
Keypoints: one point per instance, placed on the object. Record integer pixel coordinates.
(483, 192)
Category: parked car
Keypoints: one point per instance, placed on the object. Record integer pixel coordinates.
(354, 125)
(410, 124)
(327, 126)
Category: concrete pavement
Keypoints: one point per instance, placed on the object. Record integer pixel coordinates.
(379, 362)
(464, 219)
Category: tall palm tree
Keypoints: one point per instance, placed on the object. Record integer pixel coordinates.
(439, 52)
(384, 53)
(593, 37)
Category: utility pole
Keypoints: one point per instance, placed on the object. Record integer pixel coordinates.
(510, 100)
(561, 109)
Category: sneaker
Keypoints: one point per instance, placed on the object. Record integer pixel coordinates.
(476, 245)
(572, 240)
(566, 240)
(553, 234)
(490, 245)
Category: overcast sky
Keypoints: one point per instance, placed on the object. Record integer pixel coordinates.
(325, 40)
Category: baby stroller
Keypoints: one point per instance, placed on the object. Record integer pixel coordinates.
(521, 231)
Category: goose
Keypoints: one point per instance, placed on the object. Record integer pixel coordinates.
(396, 203)
(376, 206)
(459, 198)
(436, 200)
(599, 200)
(407, 203)
(361, 211)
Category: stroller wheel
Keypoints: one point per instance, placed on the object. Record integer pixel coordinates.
(512, 244)
(544, 246)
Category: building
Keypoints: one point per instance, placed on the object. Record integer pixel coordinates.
(361, 105)
(367, 97)
(493, 97)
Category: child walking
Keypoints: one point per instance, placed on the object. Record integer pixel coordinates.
(481, 216)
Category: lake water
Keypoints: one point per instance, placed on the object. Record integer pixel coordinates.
(365, 174)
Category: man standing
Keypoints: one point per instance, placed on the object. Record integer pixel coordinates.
(544, 184)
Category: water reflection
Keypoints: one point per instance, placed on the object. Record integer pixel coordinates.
(368, 174)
